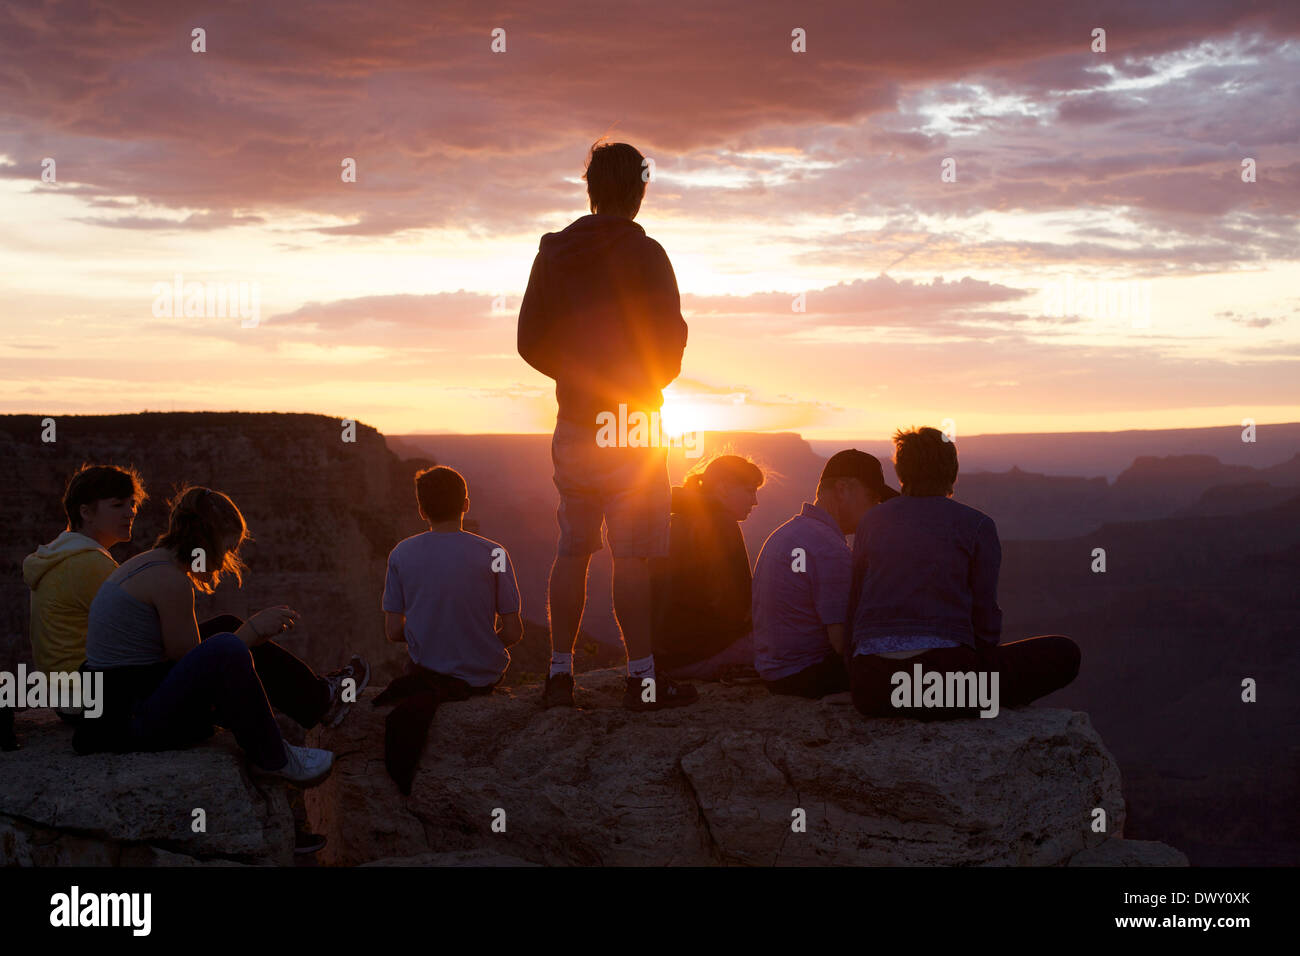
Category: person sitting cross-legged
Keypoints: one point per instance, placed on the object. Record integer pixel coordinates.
(925, 595)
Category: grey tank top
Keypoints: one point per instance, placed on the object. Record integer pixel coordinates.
(123, 631)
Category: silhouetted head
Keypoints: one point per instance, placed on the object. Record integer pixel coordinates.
(614, 183)
(441, 493)
(101, 501)
(926, 462)
(852, 482)
(204, 532)
(730, 480)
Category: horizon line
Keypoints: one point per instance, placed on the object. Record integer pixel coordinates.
(706, 431)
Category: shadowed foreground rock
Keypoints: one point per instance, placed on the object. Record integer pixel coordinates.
(717, 783)
(58, 808)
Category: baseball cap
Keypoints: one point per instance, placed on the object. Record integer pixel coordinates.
(852, 463)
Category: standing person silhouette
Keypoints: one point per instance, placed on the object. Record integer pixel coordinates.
(602, 317)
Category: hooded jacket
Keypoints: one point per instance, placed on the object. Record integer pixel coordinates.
(64, 576)
(702, 594)
(602, 317)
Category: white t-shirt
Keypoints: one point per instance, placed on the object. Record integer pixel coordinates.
(450, 586)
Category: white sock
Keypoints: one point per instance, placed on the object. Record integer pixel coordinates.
(561, 663)
(642, 668)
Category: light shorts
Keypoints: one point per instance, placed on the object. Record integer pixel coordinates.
(627, 489)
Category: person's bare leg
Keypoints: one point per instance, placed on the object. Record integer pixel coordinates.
(566, 597)
(631, 586)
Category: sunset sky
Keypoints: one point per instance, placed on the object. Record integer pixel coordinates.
(776, 174)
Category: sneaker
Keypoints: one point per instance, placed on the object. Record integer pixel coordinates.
(304, 842)
(359, 671)
(306, 766)
(667, 694)
(558, 691)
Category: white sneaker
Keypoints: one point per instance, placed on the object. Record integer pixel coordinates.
(306, 766)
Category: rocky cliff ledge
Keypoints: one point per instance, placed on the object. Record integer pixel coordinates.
(721, 783)
(717, 783)
(61, 809)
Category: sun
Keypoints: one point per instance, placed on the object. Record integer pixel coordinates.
(679, 416)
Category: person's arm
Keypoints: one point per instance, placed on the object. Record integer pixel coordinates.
(858, 572)
(986, 616)
(173, 599)
(667, 325)
(394, 604)
(828, 580)
(536, 339)
(508, 622)
(509, 628)
(266, 624)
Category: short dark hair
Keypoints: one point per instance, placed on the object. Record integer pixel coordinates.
(440, 491)
(91, 484)
(614, 182)
(926, 462)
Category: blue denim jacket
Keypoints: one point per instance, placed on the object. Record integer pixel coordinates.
(926, 566)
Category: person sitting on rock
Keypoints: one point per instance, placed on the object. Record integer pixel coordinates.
(450, 596)
(702, 590)
(925, 584)
(168, 680)
(802, 579)
(64, 576)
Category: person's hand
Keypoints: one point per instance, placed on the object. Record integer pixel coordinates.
(273, 621)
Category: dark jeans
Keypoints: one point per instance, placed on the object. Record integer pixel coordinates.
(1026, 670)
(291, 686)
(215, 683)
(829, 676)
(171, 706)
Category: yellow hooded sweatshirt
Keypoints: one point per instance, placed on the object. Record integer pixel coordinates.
(64, 576)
